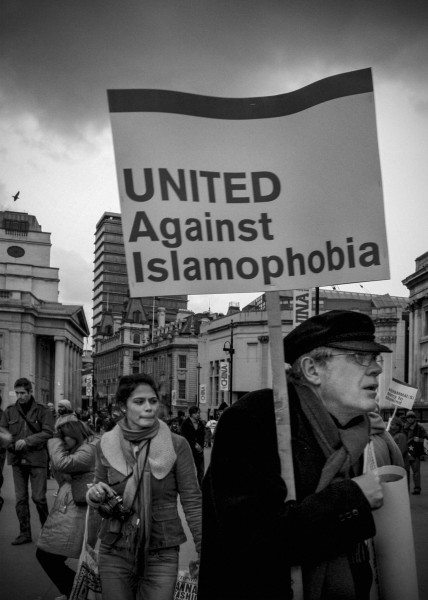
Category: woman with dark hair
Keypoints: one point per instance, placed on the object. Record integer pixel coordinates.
(141, 469)
(72, 452)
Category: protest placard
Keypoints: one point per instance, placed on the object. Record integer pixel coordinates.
(401, 394)
(250, 194)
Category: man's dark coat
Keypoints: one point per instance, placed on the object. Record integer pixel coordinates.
(251, 534)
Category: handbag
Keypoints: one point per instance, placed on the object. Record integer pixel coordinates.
(87, 582)
(79, 486)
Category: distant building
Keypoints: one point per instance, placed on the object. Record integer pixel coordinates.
(171, 358)
(417, 284)
(251, 357)
(40, 338)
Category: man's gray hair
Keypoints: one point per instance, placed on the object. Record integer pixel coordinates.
(320, 355)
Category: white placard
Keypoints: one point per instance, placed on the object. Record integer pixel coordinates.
(401, 394)
(246, 194)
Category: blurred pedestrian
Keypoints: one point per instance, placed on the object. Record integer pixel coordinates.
(72, 452)
(194, 432)
(31, 425)
(148, 466)
(396, 429)
(415, 435)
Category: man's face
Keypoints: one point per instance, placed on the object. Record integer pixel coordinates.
(196, 416)
(22, 395)
(347, 388)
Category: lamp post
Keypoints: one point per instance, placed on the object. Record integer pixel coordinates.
(228, 347)
(198, 384)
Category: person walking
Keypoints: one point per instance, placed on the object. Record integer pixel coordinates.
(5, 439)
(415, 435)
(141, 469)
(72, 453)
(31, 425)
(252, 534)
(396, 429)
(194, 432)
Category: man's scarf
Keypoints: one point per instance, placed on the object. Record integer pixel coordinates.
(341, 446)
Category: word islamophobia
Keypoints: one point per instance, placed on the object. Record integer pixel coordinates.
(173, 232)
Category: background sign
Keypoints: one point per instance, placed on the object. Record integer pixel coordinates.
(203, 393)
(302, 306)
(401, 394)
(223, 377)
(245, 194)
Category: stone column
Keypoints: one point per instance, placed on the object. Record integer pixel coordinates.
(67, 370)
(411, 343)
(59, 369)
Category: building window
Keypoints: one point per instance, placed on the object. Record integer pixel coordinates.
(182, 388)
(136, 316)
(136, 338)
(136, 355)
(182, 361)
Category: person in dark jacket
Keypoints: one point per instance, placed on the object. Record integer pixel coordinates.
(194, 432)
(253, 534)
(415, 435)
(31, 425)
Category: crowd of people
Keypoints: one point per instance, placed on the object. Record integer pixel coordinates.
(121, 476)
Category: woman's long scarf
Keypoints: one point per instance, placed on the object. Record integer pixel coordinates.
(149, 451)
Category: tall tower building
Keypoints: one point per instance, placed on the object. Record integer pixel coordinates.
(110, 277)
(110, 292)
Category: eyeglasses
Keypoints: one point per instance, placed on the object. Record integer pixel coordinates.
(363, 358)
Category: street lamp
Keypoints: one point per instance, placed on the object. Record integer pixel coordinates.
(228, 347)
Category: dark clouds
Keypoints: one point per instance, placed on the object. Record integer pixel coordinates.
(58, 57)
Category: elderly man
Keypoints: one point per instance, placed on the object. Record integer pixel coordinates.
(252, 534)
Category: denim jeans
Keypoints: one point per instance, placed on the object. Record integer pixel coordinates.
(118, 578)
(38, 476)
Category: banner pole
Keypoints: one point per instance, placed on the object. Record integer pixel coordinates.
(282, 413)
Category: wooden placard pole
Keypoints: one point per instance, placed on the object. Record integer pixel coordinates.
(282, 413)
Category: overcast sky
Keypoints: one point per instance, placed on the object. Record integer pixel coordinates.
(58, 58)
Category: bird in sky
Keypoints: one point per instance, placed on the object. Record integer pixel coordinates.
(16, 196)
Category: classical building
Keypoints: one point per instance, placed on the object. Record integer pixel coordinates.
(40, 338)
(417, 284)
(246, 333)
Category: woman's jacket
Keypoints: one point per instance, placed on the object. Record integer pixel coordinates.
(166, 527)
(65, 526)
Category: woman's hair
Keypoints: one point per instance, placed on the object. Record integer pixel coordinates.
(128, 383)
(77, 430)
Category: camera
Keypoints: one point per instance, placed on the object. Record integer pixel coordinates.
(112, 508)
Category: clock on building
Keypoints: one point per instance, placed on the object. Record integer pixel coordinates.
(16, 251)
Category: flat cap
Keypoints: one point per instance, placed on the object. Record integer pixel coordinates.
(345, 329)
